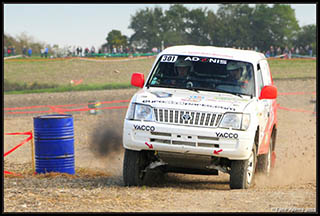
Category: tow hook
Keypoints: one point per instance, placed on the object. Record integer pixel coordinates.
(219, 167)
(154, 165)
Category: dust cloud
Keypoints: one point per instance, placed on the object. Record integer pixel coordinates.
(291, 172)
(293, 167)
(106, 137)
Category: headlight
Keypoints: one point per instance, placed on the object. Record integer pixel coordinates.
(140, 112)
(130, 112)
(236, 121)
(245, 121)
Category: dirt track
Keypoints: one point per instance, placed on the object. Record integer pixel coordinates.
(98, 185)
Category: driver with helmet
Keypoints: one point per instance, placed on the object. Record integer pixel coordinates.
(237, 75)
(182, 70)
(234, 71)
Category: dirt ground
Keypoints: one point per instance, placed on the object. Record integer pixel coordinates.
(97, 185)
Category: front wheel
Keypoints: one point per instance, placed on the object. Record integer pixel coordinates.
(242, 172)
(134, 165)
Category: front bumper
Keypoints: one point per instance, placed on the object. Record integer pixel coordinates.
(226, 143)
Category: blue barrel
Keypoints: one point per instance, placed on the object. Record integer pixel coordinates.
(54, 143)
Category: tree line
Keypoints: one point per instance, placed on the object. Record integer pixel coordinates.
(233, 25)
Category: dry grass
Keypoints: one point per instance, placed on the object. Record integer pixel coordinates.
(103, 71)
(25, 171)
(293, 68)
(61, 72)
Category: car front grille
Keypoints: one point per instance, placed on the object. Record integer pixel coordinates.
(190, 118)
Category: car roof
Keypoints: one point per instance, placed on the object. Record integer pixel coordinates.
(215, 52)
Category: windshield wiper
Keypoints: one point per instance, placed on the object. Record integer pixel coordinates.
(161, 85)
(193, 89)
(227, 92)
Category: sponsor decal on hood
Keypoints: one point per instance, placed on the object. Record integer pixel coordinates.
(182, 99)
(193, 98)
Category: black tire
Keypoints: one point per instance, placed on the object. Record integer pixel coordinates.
(134, 164)
(242, 172)
(264, 161)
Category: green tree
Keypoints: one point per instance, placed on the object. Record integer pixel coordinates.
(9, 40)
(283, 25)
(148, 29)
(235, 25)
(213, 28)
(175, 24)
(307, 36)
(23, 40)
(261, 26)
(116, 39)
(261, 23)
(197, 27)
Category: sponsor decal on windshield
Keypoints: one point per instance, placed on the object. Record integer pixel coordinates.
(204, 59)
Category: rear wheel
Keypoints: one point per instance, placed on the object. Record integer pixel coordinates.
(242, 172)
(264, 163)
(134, 165)
(265, 160)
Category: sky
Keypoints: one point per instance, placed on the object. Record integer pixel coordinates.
(88, 25)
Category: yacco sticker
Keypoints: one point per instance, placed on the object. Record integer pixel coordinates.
(227, 135)
(193, 98)
(169, 58)
(204, 59)
(186, 103)
(144, 128)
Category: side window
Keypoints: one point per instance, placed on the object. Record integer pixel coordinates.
(265, 72)
(259, 79)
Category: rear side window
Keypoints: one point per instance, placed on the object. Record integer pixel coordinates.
(259, 80)
(265, 72)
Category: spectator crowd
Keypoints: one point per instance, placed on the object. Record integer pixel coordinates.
(287, 52)
(273, 51)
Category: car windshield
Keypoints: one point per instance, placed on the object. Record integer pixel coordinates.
(203, 73)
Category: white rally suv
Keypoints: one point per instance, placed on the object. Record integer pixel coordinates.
(201, 110)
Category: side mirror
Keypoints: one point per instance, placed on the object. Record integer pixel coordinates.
(268, 92)
(137, 79)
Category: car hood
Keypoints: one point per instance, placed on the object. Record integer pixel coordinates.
(184, 99)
